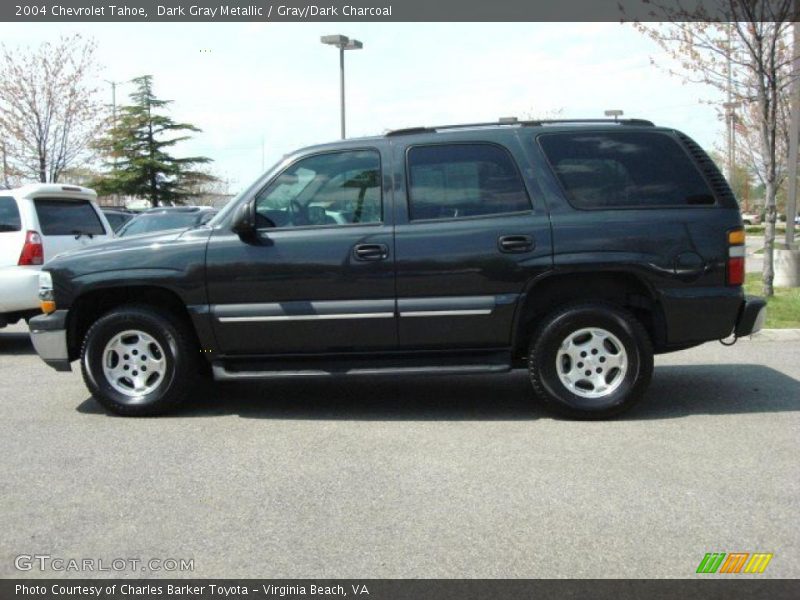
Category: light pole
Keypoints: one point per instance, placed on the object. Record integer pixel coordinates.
(342, 42)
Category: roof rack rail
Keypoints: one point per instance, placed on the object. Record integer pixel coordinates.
(506, 122)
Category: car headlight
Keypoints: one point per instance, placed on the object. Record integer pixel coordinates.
(47, 297)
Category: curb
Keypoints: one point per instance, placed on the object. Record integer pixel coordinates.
(775, 335)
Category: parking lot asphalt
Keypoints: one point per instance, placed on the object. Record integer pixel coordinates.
(437, 477)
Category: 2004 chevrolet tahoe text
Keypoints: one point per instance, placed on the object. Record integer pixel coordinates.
(576, 250)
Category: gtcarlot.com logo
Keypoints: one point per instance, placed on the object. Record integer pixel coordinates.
(734, 562)
(46, 562)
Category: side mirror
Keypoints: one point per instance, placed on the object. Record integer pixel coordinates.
(244, 222)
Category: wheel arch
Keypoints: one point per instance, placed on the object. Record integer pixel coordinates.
(91, 305)
(555, 289)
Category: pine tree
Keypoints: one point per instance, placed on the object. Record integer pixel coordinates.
(137, 149)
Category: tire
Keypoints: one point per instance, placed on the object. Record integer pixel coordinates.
(590, 361)
(137, 361)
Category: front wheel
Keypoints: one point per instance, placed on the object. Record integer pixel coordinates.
(590, 361)
(137, 361)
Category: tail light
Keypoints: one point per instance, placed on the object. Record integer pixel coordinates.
(33, 251)
(735, 271)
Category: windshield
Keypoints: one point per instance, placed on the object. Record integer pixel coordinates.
(159, 222)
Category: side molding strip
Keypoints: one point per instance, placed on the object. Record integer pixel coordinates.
(383, 315)
(445, 313)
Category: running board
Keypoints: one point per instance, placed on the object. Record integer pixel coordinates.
(248, 370)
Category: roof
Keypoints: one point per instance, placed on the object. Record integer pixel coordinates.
(514, 123)
(185, 209)
(491, 126)
(50, 189)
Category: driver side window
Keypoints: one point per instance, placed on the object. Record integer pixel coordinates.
(336, 188)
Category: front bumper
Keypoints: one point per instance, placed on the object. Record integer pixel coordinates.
(49, 337)
(752, 316)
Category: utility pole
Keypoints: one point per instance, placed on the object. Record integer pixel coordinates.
(114, 85)
(5, 166)
(730, 107)
(794, 136)
(114, 117)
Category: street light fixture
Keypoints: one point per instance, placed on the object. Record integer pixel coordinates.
(342, 42)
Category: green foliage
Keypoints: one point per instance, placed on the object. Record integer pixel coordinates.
(137, 150)
(783, 309)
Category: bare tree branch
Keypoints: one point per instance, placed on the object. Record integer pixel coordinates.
(49, 111)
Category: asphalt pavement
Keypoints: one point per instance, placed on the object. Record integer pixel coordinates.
(437, 477)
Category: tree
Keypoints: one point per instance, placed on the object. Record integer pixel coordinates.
(749, 59)
(137, 151)
(742, 180)
(49, 110)
(748, 140)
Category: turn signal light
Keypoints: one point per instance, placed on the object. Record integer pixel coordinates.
(32, 251)
(47, 301)
(736, 237)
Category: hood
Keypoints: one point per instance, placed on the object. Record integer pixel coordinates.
(162, 249)
(134, 241)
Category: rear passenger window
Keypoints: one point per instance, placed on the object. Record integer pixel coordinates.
(9, 215)
(449, 181)
(67, 217)
(624, 170)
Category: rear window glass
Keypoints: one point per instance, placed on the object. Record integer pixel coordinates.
(9, 215)
(624, 169)
(67, 217)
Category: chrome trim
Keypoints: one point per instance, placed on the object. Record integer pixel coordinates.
(446, 313)
(383, 315)
(50, 345)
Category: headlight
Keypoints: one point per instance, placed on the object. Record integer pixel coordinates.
(47, 298)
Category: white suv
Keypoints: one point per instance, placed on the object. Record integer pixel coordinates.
(38, 222)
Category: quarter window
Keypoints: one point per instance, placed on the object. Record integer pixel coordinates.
(9, 215)
(624, 169)
(449, 181)
(337, 188)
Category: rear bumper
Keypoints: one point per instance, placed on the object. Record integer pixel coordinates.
(697, 315)
(752, 316)
(19, 289)
(49, 337)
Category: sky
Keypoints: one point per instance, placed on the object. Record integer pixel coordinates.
(260, 90)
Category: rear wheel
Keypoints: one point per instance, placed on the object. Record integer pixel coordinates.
(137, 361)
(590, 361)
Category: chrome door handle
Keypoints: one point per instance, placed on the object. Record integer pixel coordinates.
(371, 251)
(515, 243)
